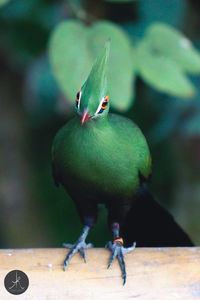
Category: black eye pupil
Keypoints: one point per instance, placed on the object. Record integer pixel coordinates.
(78, 95)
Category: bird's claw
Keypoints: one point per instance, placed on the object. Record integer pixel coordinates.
(118, 251)
(79, 246)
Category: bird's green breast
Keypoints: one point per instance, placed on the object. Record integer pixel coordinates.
(104, 156)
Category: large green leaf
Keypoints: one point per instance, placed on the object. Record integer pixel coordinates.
(171, 43)
(73, 49)
(162, 73)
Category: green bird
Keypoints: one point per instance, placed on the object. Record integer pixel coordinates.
(99, 157)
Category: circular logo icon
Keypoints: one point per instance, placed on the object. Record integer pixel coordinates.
(16, 282)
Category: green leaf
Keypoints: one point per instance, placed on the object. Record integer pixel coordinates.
(73, 48)
(171, 43)
(162, 73)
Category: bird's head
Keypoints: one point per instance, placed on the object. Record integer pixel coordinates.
(92, 101)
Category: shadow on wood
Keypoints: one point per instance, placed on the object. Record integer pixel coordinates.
(152, 273)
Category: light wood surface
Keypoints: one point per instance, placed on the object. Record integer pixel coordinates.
(152, 273)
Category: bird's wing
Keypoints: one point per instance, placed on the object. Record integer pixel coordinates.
(145, 168)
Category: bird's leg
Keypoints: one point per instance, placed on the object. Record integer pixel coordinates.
(117, 250)
(79, 246)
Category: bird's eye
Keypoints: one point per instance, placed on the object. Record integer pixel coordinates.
(78, 99)
(103, 105)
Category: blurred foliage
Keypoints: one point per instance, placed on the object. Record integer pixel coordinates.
(162, 73)
(178, 117)
(162, 58)
(74, 47)
(167, 41)
(25, 26)
(120, 0)
(41, 92)
(50, 46)
(3, 2)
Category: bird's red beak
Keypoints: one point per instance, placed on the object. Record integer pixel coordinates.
(85, 117)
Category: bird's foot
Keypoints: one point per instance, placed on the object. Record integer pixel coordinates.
(79, 246)
(118, 251)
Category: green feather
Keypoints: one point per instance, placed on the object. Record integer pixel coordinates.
(95, 87)
(102, 157)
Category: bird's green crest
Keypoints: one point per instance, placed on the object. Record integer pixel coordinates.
(92, 98)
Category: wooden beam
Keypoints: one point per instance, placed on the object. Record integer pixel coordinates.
(152, 274)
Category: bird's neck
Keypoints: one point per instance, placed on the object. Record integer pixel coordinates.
(102, 121)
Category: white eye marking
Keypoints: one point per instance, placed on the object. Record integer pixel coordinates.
(78, 100)
(102, 105)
